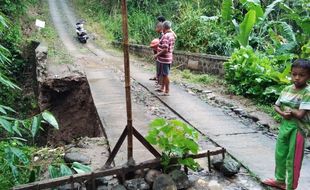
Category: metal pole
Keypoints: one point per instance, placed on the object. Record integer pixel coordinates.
(127, 81)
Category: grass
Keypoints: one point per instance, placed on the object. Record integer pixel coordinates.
(95, 24)
(57, 53)
(189, 77)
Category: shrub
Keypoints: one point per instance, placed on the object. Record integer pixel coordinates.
(196, 34)
(255, 75)
(176, 139)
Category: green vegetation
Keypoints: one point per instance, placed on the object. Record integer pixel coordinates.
(176, 139)
(57, 53)
(190, 77)
(12, 64)
(255, 75)
(208, 26)
(260, 68)
(17, 135)
(274, 31)
(261, 36)
(64, 170)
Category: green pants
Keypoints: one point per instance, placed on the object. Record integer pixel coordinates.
(289, 154)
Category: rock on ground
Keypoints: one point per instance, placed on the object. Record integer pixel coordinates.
(230, 167)
(217, 162)
(118, 187)
(99, 182)
(76, 186)
(180, 179)
(77, 157)
(164, 182)
(137, 184)
(151, 175)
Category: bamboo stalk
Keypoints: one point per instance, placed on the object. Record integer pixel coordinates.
(127, 81)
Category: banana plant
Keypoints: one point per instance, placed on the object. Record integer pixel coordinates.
(269, 9)
(254, 14)
(246, 27)
(227, 10)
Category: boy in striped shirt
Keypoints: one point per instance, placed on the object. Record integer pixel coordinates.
(293, 105)
(164, 57)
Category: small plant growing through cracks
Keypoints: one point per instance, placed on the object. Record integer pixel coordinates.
(176, 139)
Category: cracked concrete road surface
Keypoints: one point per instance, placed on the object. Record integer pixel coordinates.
(251, 147)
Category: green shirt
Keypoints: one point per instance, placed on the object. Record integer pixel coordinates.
(297, 99)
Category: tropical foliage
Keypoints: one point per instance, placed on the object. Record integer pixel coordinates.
(17, 136)
(176, 139)
(261, 36)
(255, 75)
(63, 170)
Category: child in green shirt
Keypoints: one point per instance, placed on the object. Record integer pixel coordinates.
(293, 105)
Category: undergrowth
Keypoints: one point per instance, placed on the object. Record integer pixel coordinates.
(57, 53)
(203, 79)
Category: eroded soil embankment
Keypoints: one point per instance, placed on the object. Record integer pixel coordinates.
(69, 98)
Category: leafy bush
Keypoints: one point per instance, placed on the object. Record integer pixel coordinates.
(305, 51)
(15, 164)
(197, 33)
(15, 152)
(63, 170)
(176, 139)
(255, 75)
(140, 34)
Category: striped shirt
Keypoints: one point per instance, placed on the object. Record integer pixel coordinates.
(296, 99)
(166, 42)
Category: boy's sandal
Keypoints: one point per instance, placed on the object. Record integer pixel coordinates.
(274, 183)
(153, 78)
(163, 94)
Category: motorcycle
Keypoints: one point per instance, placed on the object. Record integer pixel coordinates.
(81, 32)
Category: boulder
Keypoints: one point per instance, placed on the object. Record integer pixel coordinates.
(100, 182)
(113, 182)
(164, 182)
(230, 167)
(77, 157)
(151, 175)
(180, 178)
(76, 186)
(101, 188)
(217, 162)
(137, 184)
(118, 187)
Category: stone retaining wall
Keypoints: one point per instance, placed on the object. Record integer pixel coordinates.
(204, 63)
